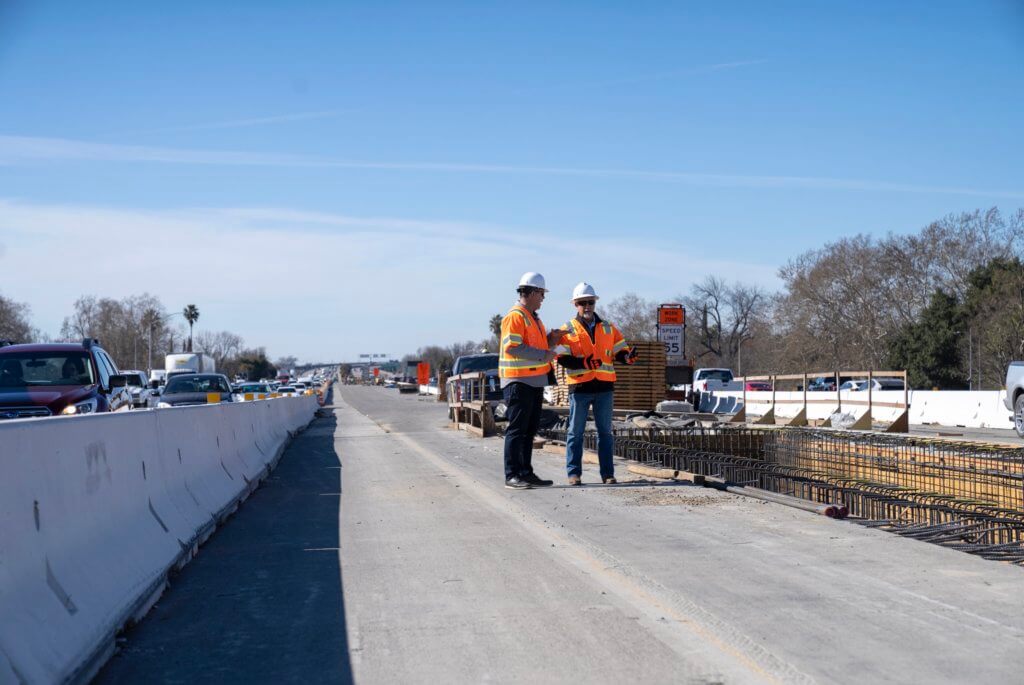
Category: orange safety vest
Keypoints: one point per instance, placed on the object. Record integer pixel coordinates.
(608, 342)
(519, 327)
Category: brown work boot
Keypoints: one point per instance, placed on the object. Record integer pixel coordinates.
(609, 481)
(575, 480)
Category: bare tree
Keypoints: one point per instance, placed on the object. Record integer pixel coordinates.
(723, 317)
(636, 317)
(440, 358)
(286, 363)
(134, 330)
(14, 321)
(221, 345)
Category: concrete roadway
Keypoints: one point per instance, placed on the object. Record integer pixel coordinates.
(429, 570)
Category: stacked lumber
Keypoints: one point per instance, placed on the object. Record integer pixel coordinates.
(640, 386)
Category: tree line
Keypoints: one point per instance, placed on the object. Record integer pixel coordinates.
(945, 303)
(139, 332)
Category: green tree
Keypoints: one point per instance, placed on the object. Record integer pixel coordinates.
(994, 307)
(191, 314)
(255, 365)
(930, 348)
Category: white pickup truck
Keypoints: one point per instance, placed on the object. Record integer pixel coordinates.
(706, 380)
(714, 379)
(1015, 395)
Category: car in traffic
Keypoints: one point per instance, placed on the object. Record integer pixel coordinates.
(860, 384)
(143, 396)
(188, 389)
(255, 390)
(758, 386)
(286, 391)
(823, 384)
(59, 379)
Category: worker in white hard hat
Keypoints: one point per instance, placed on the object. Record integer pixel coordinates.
(525, 357)
(588, 355)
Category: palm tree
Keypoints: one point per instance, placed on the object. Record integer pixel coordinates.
(191, 314)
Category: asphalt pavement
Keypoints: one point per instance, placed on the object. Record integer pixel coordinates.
(426, 569)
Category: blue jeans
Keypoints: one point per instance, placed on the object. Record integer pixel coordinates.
(579, 404)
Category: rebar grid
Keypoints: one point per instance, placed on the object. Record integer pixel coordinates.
(964, 495)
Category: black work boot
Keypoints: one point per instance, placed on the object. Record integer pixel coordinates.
(535, 481)
(515, 483)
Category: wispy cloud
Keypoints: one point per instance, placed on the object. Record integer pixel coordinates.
(283, 286)
(245, 123)
(23, 149)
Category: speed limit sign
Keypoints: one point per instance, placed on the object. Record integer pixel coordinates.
(672, 332)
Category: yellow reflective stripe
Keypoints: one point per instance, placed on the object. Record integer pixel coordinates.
(619, 346)
(511, 338)
(523, 314)
(576, 372)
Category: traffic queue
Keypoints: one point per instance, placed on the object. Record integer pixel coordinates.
(39, 380)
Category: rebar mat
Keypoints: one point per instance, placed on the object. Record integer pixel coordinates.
(964, 495)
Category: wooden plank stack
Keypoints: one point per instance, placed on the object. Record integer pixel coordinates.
(640, 386)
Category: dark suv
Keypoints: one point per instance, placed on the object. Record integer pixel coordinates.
(469, 390)
(55, 379)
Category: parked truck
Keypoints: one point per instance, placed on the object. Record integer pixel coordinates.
(705, 380)
(1014, 400)
(191, 362)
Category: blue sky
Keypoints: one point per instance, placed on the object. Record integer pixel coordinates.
(329, 179)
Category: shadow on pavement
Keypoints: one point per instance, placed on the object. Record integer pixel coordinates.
(262, 602)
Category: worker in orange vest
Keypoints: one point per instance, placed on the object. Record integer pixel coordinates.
(590, 350)
(525, 357)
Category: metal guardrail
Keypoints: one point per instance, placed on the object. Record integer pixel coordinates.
(472, 415)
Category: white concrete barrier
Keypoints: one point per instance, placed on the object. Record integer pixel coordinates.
(96, 510)
(965, 408)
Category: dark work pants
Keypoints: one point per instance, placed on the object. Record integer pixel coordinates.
(524, 406)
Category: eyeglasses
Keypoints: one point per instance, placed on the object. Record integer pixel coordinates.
(585, 303)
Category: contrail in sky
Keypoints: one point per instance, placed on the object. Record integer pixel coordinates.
(243, 123)
(15, 150)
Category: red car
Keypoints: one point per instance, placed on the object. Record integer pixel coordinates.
(55, 379)
(759, 385)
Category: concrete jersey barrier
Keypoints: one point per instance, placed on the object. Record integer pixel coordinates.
(95, 511)
(966, 408)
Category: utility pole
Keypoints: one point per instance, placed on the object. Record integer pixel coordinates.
(970, 358)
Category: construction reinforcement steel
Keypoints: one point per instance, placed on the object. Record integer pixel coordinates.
(964, 495)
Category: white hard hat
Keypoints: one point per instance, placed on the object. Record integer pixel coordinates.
(533, 279)
(582, 290)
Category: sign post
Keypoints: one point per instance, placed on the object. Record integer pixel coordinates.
(672, 333)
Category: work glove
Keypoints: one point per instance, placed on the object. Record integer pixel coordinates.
(592, 363)
(631, 357)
